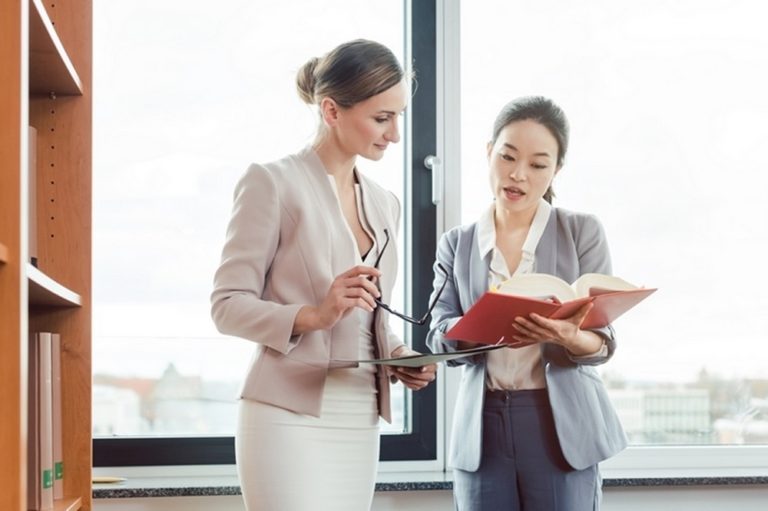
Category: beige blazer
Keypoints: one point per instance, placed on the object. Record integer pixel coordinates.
(286, 242)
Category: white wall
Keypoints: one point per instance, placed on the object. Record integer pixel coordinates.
(697, 498)
(428, 500)
(690, 498)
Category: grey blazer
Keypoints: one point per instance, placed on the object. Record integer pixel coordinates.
(587, 425)
(286, 242)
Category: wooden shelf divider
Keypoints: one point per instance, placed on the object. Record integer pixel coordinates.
(50, 68)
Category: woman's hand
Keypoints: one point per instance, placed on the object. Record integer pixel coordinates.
(566, 332)
(415, 378)
(353, 288)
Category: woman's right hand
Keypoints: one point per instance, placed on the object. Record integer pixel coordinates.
(353, 288)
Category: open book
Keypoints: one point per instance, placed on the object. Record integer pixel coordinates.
(490, 320)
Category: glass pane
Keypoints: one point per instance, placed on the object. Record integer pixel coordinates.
(187, 95)
(667, 107)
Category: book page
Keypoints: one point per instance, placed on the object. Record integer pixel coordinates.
(537, 285)
(602, 283)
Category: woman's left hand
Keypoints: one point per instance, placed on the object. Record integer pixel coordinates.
(415, 378)
(565, 332)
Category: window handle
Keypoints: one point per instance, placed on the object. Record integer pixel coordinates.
(433, 163)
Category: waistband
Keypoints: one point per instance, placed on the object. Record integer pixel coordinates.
(529, 397)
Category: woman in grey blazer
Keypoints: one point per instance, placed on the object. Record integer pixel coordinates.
(310, 252)
(531, 423)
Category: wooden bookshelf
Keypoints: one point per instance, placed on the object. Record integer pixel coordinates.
(46, 84)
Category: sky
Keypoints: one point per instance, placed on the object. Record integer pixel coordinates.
(666, 104)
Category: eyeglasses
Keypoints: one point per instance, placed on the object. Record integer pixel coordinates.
(422, 320)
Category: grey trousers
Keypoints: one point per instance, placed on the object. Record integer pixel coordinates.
(522, 466)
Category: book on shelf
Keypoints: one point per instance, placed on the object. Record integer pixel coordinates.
(58, 447)
(490, 320)
(40, 424)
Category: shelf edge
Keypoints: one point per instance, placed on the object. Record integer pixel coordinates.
(38, 12)
(43, 290)
(68, 504)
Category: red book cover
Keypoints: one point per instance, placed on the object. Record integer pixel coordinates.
(489, 321)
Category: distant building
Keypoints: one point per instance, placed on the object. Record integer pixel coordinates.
(664, 415)
(188, 405)
(748, 427)
(174, 404)
(117, 411)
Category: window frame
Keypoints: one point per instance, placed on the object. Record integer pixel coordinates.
(636, 460)
(434, 117)
(421, 443)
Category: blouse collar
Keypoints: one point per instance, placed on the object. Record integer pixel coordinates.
(486, 230)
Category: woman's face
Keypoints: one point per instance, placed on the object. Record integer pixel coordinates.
(523, 162)
(368, 127)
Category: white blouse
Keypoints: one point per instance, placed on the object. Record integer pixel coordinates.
(519, 368)
(364, 373)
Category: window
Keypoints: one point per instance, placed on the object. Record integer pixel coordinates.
(189, 95)
(667, 105)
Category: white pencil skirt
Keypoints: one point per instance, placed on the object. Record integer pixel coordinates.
(292, 462)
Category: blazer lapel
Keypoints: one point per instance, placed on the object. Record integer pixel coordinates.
(377, 221)
(546, 250)
(338, 245)
(478, 274)
(372, 210)
(546, 262)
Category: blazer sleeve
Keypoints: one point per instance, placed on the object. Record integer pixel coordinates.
(237, 304)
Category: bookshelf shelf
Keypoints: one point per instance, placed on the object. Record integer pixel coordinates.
(3, 254)
(67, 504)
(43, 290)
(50, 69)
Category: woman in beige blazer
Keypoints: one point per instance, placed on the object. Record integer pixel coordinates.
(309, 254)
